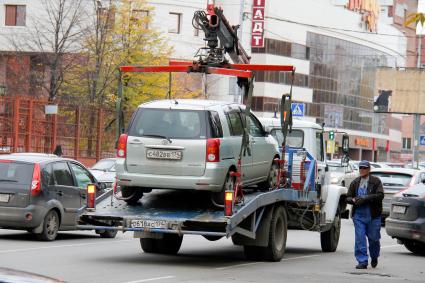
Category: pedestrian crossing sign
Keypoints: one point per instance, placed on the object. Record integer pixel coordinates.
(422, 140)
(297, 109)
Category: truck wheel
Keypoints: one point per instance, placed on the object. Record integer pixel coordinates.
(415, 247)
(107, 234)
(329, 239)
(50, 227)
(217, 198)
(271, 181)
(277, 236)
(253, 253)
(149, 245)
(213, 238)
(131, 195)
(170, 244)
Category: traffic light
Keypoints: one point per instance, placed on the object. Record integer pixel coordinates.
(331, 135)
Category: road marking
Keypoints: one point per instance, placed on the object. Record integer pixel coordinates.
(151, 279)
(61, 246)
(252, 263)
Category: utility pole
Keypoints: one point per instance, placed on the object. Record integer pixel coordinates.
(417, 117)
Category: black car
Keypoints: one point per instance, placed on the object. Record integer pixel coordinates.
(43, 194)
(407, 218)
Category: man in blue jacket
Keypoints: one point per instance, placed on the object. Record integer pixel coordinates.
(366, 194)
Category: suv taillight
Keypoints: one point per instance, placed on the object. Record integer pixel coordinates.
(36, 180)
(213, 150)
(122, 146)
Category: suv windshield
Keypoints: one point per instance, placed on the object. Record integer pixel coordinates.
(167, 123)
(294, 139)
(15, 172)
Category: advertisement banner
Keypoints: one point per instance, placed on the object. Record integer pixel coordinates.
(258, 16)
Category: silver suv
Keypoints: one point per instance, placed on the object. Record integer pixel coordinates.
(191, 144)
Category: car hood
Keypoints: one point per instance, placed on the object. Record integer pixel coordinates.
(103, 176)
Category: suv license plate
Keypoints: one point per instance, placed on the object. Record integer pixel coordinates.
(4, 197)
(399, 209)
(164, 154)
(149, 224)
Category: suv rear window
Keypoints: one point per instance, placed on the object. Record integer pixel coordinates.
(169, 123)
(16, 172)
(393, 179)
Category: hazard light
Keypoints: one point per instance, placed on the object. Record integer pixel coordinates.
(228, 203)
(91, 196)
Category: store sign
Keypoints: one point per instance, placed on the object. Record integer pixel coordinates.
(257, 39)
(361, 142)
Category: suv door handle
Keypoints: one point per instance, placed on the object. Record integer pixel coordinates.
(60, 193)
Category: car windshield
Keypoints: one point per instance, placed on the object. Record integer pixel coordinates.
(336, 168)
(295, 138)
(167, 123)
(15, 172)
(389, 179)
(105, 165)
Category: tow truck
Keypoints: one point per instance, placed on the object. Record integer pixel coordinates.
(301, 198)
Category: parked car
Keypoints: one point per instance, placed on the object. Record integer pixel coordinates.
(104, 171)
(43, 194)
(192, 144)
(395, 180)
(407, 218)
(341, 175)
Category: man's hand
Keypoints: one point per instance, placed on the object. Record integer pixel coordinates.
(350, 200)
(359, 201)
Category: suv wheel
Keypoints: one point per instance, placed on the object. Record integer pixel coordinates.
(131, 195)
(271, 181)
(50, 227)
(217, 198)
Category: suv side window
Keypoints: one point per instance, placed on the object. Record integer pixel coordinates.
(47, 176)
(62, 174)
(82, 177)
(215, 125)
(255, 128)
(235, 124)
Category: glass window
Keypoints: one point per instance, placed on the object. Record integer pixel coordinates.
(47, 176)
(235, 124)
(319, 147)
(174, 22)
(62, 174)
(176, 124)
(15, 15)
(16, 172)
(82, 177)
(255, 128)
(294, 139)
(215, 124)
(393, 179)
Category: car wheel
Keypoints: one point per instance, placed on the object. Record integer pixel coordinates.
(415, 247)
(217, 198)
(50, 227)
(131, 195)
(272, 177)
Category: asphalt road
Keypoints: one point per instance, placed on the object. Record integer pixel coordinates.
(83, 257)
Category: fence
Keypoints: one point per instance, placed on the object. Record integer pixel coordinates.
(84, 133)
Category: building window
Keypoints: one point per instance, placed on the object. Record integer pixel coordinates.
(390, 11)
(143, 16)
(15, 15)
(407, 143)
(174, 23)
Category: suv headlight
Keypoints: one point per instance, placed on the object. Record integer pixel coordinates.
(334, 180)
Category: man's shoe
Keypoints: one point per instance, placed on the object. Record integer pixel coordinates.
(374, 262)
(361, 266)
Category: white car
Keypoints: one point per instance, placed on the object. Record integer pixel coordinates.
(104, 171)
(341, 175)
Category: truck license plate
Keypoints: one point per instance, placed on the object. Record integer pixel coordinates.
(4, 197)
(164, 154)
(149, 224)
(399, 209)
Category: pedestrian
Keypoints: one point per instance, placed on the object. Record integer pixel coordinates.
(366, 194)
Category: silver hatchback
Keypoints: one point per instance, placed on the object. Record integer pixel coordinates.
(191, 144)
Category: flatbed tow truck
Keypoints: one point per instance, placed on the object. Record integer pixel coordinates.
(258, 220)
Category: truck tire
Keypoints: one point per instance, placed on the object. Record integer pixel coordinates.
(149, 245)
(271, 181)
(329, 239)
(50, 227)
(415, 247)
(131, 195)
(170, 244)
(107, 234)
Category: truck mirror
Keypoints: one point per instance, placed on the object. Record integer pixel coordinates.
(345, 144)
(344, 161)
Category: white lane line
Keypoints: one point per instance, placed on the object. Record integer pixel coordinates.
(252, 263)
(151, 279)
(392, 246)
(61, 246)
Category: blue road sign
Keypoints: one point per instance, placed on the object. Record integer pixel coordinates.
(297, 109)
(422, 140)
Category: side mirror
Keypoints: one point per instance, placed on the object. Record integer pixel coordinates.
(423, 180)
(102, 186)
(345, 144)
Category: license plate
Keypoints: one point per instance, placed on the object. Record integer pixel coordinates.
(164, 154)
(149, 224)
(4, 197)
(399, 209)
